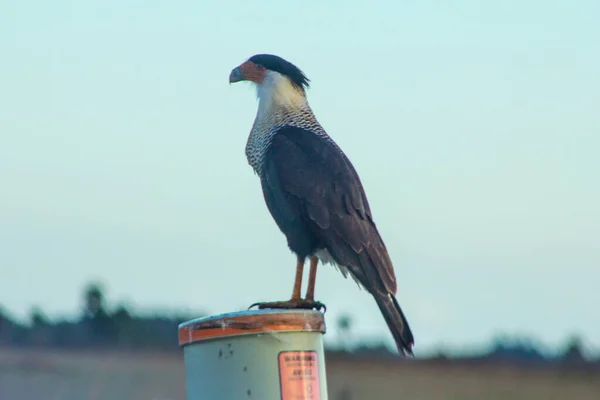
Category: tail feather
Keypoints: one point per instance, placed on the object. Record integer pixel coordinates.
(396, 322)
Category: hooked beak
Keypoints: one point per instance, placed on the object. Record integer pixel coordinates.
(236, 75)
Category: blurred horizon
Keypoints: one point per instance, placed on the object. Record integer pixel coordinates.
(473, 127)
(120, 327)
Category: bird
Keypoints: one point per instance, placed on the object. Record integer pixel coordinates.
(314, 193)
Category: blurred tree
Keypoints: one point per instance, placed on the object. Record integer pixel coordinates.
(574, 350)
(124, 327)
(41, 328)
(344, 325)
(5, 327)
(11, 332)
(94, 299)
(101, 327)
(37, 317)
(121, 314)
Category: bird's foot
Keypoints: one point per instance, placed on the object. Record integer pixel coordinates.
(302, 304)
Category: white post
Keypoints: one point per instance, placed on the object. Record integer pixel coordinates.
(258, 354)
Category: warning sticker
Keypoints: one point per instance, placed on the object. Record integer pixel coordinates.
(299, 375)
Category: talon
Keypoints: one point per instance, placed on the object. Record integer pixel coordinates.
(318, 305)
(291, 304)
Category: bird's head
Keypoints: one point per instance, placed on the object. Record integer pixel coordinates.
(275, 78)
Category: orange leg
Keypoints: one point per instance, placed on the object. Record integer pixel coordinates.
(298, 281)
(296, 302)
(312, 277)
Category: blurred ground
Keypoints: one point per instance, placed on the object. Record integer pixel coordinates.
(48, 374)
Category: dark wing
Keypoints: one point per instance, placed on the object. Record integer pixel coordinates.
(309, 183)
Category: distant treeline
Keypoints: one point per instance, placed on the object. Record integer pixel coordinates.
(98, 327)
(95, 327)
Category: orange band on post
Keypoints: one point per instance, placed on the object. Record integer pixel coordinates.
(242, 323)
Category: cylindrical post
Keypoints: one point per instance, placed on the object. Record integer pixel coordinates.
(258, 354)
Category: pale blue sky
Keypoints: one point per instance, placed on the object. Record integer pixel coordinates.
(474, 126)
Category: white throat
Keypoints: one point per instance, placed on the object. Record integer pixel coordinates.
(276, 94)
(279, 103)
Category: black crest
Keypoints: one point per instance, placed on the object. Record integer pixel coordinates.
(278, 64)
